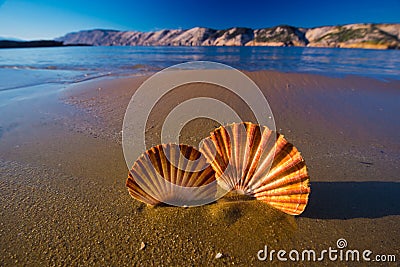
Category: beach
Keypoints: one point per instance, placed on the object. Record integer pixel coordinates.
(62, 180)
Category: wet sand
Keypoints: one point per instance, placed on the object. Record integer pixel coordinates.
(62, 179)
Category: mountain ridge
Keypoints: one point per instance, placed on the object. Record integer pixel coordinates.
(359, 35)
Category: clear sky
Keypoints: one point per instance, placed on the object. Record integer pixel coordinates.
(47, 19)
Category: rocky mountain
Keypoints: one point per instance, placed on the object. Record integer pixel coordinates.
(279, 36)
(367, 35)
(381, 36)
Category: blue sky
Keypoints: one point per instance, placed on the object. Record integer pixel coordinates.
(47, 19)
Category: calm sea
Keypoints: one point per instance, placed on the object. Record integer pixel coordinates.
(65, 65)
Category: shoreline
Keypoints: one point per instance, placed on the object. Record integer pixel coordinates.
(9, 44)
(64, 199)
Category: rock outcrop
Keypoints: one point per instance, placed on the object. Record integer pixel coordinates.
(377, 36)
(279, 36)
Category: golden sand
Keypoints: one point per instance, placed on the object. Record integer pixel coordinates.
(64, 201)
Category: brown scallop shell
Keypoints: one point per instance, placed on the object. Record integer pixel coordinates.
(260, 163)
(172, 174)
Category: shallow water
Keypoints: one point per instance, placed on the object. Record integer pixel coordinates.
(33, 66)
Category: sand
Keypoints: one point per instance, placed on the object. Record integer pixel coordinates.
(62, 180)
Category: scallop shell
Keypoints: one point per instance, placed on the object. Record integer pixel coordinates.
(173, 174)
(260, 163)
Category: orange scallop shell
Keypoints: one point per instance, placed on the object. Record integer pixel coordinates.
(160, 175)
(260, 163)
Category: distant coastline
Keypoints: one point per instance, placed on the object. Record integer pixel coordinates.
(32, 44)
(362, 35)
(365, 35)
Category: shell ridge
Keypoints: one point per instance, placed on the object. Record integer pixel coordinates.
(184, 166)
(297, 177)
(141, 195)
(152, 185)
(248, 156)
(265, 138)
(259, 175)
(291, 165)
(165, 178)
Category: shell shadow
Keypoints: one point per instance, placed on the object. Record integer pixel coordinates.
(349, 200)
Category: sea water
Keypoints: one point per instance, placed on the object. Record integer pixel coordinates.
(21, 68)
